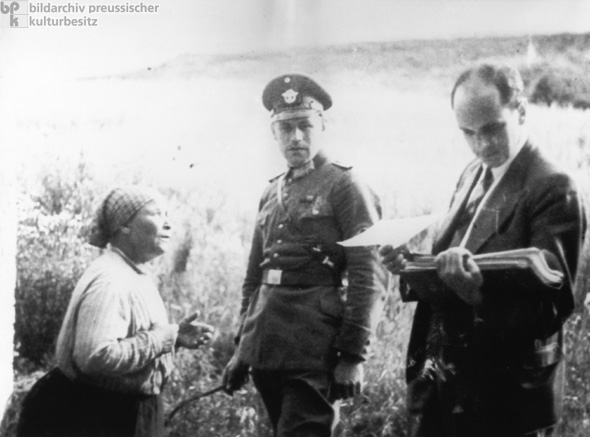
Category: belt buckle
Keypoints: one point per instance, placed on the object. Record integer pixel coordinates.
(274, 276)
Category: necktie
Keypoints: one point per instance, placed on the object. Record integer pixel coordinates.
(475, 197)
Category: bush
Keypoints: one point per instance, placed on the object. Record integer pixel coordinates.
(50, 257)
(218, 414)
(11, 416)
(203, 272)
(577, 399)
(561, 85)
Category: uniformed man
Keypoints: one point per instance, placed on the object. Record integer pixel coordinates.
(303, 335)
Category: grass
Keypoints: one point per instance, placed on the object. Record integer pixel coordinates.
(195, 128)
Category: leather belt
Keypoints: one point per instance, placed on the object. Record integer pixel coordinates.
(290, 277)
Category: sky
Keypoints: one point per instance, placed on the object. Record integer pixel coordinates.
(126, 42)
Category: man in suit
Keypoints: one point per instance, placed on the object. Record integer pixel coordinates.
(303, 335)
(488, 360)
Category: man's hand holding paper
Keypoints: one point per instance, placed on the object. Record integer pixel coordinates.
(394, 259)
(457, 268)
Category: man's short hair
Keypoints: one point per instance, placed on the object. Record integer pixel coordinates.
(507, 81)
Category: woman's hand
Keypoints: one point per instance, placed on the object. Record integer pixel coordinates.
(191, 334)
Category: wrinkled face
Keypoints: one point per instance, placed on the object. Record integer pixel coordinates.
(299, 138)
(492, 130)
(148, 232)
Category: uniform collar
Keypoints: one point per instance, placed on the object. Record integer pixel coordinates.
(301, 171)
(305, 169)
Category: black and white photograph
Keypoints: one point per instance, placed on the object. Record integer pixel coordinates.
(295, 218)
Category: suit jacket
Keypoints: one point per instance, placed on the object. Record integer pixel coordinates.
(504, 355)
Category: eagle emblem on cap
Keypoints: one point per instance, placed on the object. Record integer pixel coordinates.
(290, 95)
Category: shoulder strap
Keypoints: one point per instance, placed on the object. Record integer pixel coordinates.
(341, 165)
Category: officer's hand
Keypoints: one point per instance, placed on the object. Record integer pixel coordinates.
(393, 259)
(457, 268)
(235, 375)
(191, 334)
(348, 380)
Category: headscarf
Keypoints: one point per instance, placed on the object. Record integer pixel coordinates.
(116, 210)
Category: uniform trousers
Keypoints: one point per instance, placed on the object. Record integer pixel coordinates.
(297, 401)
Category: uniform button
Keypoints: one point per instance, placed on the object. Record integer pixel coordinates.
(276, 255)
(279, 241)
(281, 226)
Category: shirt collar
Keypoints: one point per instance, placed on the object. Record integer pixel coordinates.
(499, 171)
(133, 265)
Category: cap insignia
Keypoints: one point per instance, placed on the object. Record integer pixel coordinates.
(287, 79)
(290, 96)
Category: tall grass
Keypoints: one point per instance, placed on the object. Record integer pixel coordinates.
(205, 142)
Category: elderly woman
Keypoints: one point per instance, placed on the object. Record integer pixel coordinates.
(115, 347)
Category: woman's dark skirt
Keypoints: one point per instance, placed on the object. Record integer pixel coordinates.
(58, 407)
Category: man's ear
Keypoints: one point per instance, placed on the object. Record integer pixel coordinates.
(273, 130)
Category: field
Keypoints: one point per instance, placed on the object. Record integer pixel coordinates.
(195, 128)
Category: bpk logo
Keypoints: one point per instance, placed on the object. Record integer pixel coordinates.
(14, 13)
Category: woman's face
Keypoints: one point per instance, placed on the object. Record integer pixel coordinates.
(148, 232)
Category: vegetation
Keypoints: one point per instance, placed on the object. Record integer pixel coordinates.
(193, 130)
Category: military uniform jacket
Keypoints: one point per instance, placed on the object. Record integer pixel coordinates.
(300, 320)
(504, 355)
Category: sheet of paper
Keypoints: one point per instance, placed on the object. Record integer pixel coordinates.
(395, 231)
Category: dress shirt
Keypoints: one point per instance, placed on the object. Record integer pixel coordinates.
(498, 173)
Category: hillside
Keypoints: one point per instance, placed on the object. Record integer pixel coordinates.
(545, 61)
